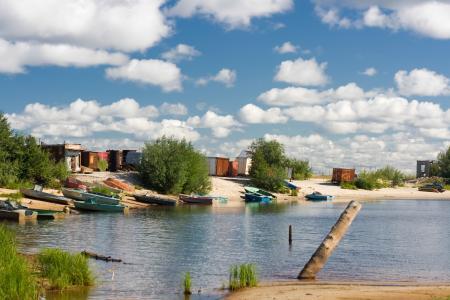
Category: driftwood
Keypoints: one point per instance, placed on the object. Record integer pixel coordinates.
(320, 257)
(100, 257)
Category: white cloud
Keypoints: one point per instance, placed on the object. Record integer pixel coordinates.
(221, 126)
(232, 13)
(181, 52)
(173, 109)
(332, 17)
(150, 71)
(422, 82)
(286, 47)
(370, 72)
(133, 25)
(224, 76)
(302, 72)
(15, 57)
(253, 114)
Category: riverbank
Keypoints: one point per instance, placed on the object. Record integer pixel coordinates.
(346, 290)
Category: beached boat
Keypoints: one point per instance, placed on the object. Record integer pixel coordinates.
(195, 199)
(38, 194)
(317, 196)
(81, 195)
(251, 189)
(155, 200)
(432, 187)
(291, 186)
(18, 215)
(92, 205)
(74, 183)
(41, 213)
(115, 183)
(257, 198)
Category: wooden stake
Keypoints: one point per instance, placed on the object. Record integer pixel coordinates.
(290, 234)
(320, 257)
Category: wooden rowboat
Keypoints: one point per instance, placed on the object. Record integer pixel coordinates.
(258, 198)
(92, 205)
(38, 194)
(19, 215)
(317, 196)
(194, 199)
(156, 200)
(81, 195)
(251, 189)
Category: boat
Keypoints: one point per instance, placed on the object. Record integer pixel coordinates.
(196, 199)
(115, 183)
(251, 189)
(156, 200)
(42, 214)
(18, 215)
(317, 196)
(37, 193)
(92, 205)
(257, 198)
(81, 195)
(432, 187)
(291, 186)
(74, 183)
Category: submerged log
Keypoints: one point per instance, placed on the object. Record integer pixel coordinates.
(320, 257)
(100, 257)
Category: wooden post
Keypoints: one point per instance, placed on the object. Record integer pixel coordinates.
(320, 257)
(290, 234)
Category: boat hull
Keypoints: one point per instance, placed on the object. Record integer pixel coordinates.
(200, 200)
(18, 215)
(251, 189)
(257, 198)
(155, 200)
(93, 206)
(318, 198)
(46, 197)
(81, 195)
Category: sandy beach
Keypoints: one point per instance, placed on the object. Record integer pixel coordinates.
(343, 291)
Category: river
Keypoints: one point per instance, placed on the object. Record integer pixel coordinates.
(388, 241)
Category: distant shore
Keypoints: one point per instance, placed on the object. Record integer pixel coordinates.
(344, 290)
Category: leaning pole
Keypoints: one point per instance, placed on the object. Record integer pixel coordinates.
(320, 257)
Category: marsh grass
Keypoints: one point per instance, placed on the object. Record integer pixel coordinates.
(64, 270)
(187, 283)
(12, 196)
(16, 279)
(241, 276)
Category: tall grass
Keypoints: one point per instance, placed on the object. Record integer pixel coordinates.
(241, 276)
(64, 270)
(103, 190)
(16, 280)
(12, 196)
(187, 283)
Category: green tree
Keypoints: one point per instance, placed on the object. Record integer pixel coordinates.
(173, 166)
(268, 164)
(443, 162)
(300, 169)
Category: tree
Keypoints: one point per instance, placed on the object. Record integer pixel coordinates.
(300, 169)
(443, 162)
(268, 164)
(173, 166)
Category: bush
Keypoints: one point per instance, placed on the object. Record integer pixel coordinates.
(63, 269)
(16, 280)
(300, 169)
(242, 276)
(443, 163)
(173, 166)
(102, 165)
(381, 178)
(187, 283)
(348, 185)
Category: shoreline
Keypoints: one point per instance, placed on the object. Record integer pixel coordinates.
(347, 290)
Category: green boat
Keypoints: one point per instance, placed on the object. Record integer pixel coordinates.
(43, 214)
(255, 190)
(92, 205)
(81, 195)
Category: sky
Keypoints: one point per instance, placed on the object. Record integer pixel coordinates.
(340, 83)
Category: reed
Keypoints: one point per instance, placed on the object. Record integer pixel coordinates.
(64, 270)
(187, 283)
(241, 276)
(16, 279)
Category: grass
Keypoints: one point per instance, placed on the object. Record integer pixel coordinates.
(187, 283)
(447, 187)
(13, 185)
(16, 279)
(64, 270)
(294, 193)
(13, 196)
(103, 190)
(348, 185)
(102, 165)
(242, 276)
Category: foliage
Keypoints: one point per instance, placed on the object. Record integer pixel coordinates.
(348, 185)
(16, 280)
(98, 189)
(443, 163)
(294, 193)
(242, 276)
(22, 160)
(300, 169)
(102, 165)
(381, 178)
(173, 166)
(12, 196)
(268, 164)
(64, 269)
(187, 283)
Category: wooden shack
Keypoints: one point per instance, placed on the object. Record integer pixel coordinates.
(343, 175)
(69, 153)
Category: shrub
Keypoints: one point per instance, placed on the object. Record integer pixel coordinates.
(300, 169)
(173, 166)
(99, 189)
(102, 165)
(187, 283)
(64, 269)
(16, 279)
(349, 185)
(294, 193)
(242, 276)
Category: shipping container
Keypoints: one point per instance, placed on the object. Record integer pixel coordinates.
(212, 166)
(125, 154)
(222, 166)
(233, 168)
(343, 175)
(89, 159)
(115, 160)
(133, 158)
(244, 164)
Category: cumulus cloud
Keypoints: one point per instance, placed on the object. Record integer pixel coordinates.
(422, 82)
(253, 114)
(302, 72)
(149, 71)
(181, 52)
(224, 76)
(221, 126)
(286, 47)
(15, 57)
(427, 17)
(232, 13)
(173, 109)
(370, 72)
(122, 25)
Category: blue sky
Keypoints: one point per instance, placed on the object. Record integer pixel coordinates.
(341, 83)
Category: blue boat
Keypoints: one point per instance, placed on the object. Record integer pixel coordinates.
(291, 186)
(81, 195)
(257, 198)
(317, 196)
